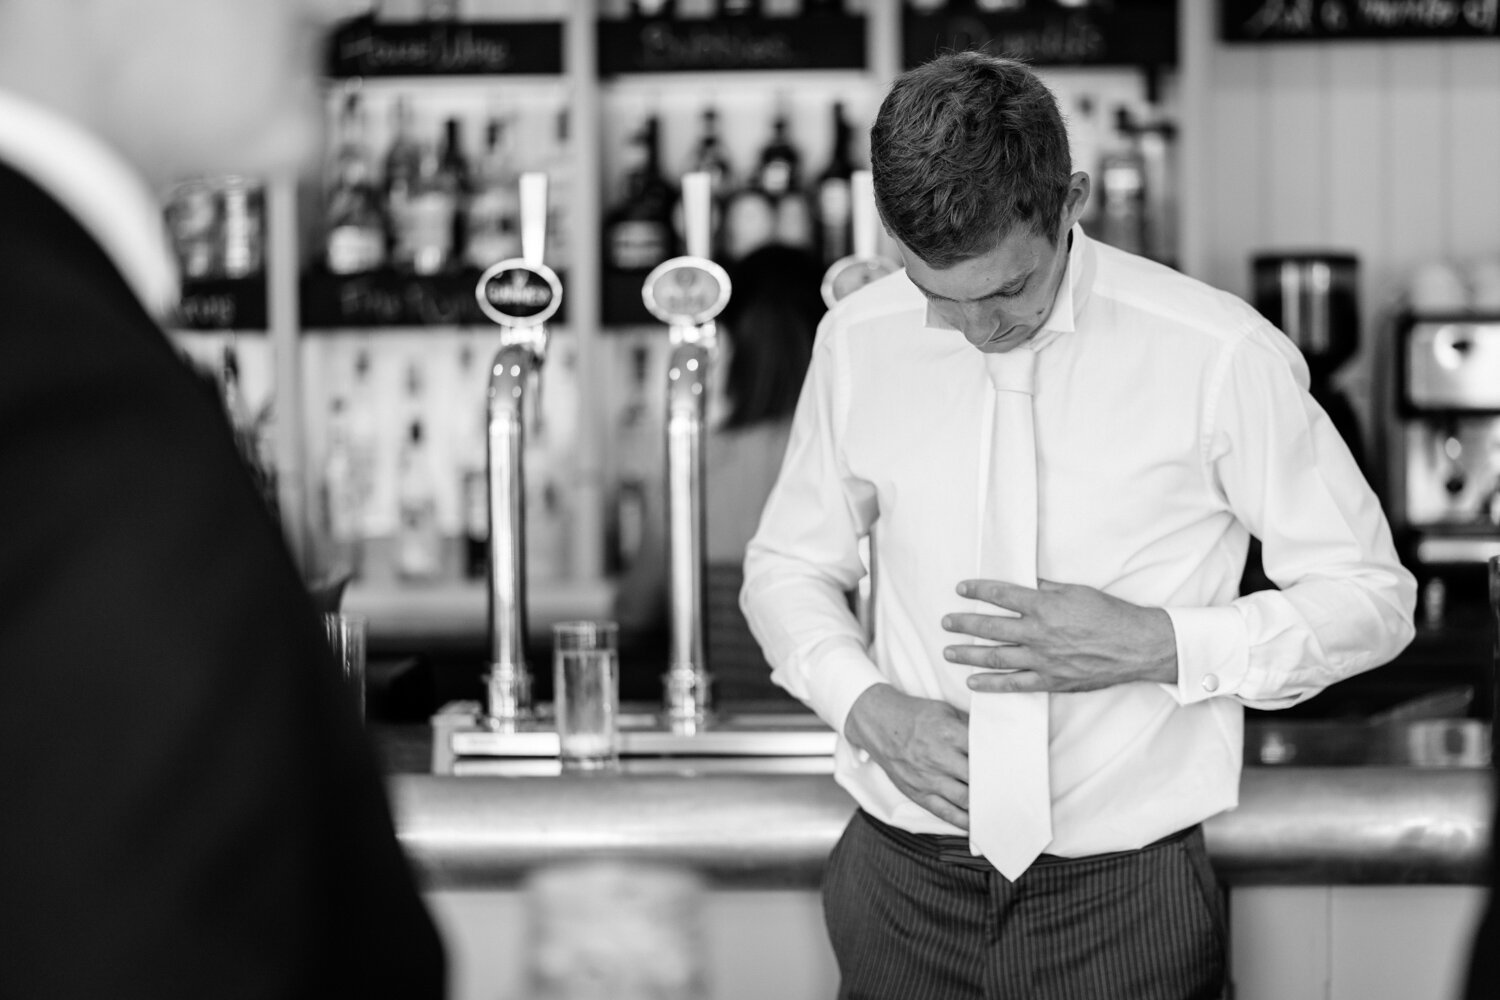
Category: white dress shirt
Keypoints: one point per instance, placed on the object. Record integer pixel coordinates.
(1172, 423)
(107, 197)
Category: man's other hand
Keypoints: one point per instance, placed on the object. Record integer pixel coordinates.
(1067, 637)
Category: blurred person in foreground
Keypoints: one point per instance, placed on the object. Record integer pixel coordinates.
(1171, 423)
(766, 332)
(191, 808)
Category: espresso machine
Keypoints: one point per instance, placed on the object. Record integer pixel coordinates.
(1446, 480)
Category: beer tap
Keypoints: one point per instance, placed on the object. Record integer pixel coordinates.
(844, 276)
(864, 265)
(520, 294)
(687, 293)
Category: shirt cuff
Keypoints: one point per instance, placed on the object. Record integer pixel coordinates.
(1213, 653)
(839, 672)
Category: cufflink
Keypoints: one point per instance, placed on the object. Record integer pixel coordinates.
(1210, 683)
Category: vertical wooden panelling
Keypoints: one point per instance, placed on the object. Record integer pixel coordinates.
(1473, 185)
(1356, 167)
(1234, 155)
(1357, 176)
(1296, 167)
(1416, 205)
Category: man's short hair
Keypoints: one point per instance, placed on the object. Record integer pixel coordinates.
(965, 148)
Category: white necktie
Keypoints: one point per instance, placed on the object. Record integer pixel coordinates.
(1010, 801)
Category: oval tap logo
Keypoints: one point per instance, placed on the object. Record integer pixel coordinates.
(514, 293)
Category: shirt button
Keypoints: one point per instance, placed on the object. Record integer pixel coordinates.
(1210, 683)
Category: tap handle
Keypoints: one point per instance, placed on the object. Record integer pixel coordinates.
(697, 211)
(533, 217)
(862, 191)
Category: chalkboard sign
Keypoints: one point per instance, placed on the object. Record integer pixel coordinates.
(366, 47)
(221, 304)
(661, 45)
(385, 299)
(1356, 20)
(1047, 33)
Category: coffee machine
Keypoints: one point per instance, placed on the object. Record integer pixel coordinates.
(1446, 480)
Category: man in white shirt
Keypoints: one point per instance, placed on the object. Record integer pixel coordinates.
(1171, 423)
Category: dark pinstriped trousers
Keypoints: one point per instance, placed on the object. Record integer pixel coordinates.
(913, 917)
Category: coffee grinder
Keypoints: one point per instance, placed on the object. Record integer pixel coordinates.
(1313, 297)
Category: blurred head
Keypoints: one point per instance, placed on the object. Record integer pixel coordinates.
(179, 87)
(771, 322)
(973, 179)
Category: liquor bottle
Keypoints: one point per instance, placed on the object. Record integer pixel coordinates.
(749, 222)
(362, 423)
(560, 186)
(252, 432)
(242, 226)
(494, 209)
(834, 198)
(634, 446)
(653, 9)
(1122, 184)
(354, 227)
(342, 494)
(419, 544)
(638, 231)
(426, 245)
(1083, 142)
(473, 485)
(709, 158)
(403, 158)
(457, 177)
(780, 169)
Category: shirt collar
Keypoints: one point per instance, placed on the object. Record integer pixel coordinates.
(1072, 294)
(108, 198)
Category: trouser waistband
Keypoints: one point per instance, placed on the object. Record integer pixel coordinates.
(954, 850)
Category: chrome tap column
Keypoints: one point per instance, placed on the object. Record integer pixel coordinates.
(687, 293)
(846, 275)
(520, 294)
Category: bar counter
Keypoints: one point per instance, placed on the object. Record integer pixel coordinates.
(1294, 825)
(1343, 881)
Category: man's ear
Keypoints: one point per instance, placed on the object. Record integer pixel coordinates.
(1077, 198)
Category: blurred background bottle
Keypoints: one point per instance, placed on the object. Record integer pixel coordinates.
(635, 449)
(834, 198)
(638, 230)
(494, 208)
(354, 225)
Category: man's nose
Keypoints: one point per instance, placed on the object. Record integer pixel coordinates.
(977, 321)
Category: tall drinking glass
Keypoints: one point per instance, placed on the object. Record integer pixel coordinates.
(346, 637)
(586, 689)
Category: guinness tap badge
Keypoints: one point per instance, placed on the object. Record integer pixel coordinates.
(517, 294)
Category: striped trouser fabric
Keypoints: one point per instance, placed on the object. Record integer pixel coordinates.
(916, 917)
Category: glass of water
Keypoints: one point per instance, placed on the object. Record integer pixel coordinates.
(586, 691)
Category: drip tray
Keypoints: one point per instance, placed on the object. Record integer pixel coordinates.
(460, 735)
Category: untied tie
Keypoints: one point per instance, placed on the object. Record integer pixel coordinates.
(1010, 800)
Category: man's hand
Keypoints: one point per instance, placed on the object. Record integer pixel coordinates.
(1068, 638)
(921, 744)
